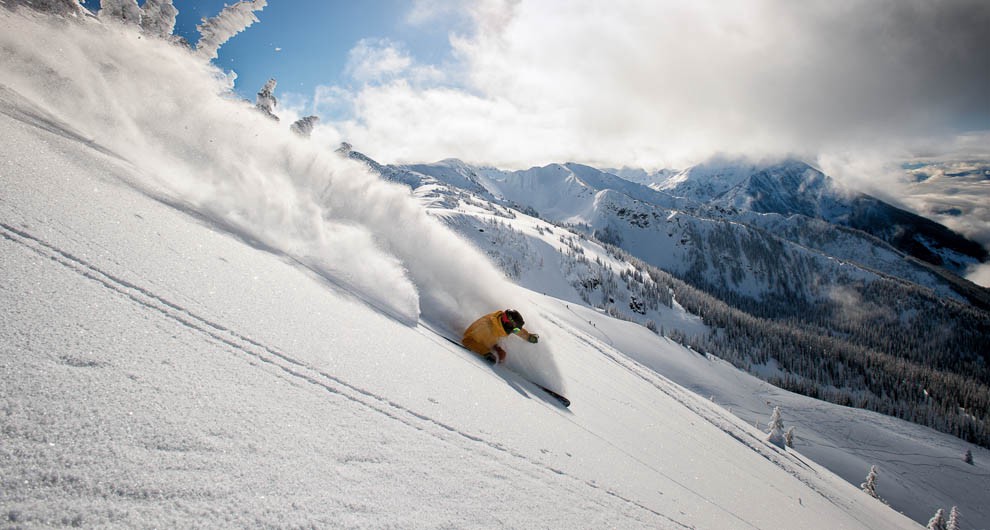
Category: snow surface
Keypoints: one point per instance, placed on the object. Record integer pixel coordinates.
(208, 322)
(921, 470)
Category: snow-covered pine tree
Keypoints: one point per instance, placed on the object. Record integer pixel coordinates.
(789, 436)
(304, 126)
(158, 17)
(968, 457)
(954, 520)
(126, 11)
(937, 522)
(775, 430)
(266, 101)
(870, 486)
(215, 31)
(56, 7)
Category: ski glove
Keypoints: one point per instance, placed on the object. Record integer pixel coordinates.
(534, 338)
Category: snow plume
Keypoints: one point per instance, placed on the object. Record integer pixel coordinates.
(214, 156)
(214, 32)
(220, 159)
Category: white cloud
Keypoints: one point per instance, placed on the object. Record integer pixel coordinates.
(332, 101)
(980, 275)
(667, 82)
(426, 11)
(376, 59)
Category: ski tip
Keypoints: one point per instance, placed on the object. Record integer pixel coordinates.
(563, 401)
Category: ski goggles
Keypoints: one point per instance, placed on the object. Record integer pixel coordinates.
(507, 320)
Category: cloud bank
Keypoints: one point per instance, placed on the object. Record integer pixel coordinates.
(664, 83)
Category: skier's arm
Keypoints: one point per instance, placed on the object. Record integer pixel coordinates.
(527, 336)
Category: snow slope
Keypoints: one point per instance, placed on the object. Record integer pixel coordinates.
(921, 470)
(183, 346)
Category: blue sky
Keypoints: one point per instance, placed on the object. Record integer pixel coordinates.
(305, 43)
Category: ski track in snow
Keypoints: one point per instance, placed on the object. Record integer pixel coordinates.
(718, 417)
(304, 373)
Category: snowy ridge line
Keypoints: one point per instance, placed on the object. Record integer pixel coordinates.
(298, 369)
(716, 416)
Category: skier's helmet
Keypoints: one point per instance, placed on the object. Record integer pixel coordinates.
(515, 317)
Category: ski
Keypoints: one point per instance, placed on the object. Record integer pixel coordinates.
(563, 401)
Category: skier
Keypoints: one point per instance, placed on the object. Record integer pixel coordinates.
(483, 335)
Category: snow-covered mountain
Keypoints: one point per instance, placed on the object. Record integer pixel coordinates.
(209, 321)
(641, 176)
(793, 187)
(698, 218)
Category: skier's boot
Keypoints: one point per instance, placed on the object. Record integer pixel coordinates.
(500, 352)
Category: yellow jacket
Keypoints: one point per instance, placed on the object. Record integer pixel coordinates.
(481, 336)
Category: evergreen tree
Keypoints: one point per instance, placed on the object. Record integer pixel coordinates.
(776, 429)
(789, 437)
(870, 486)
(126, 11)
(968, 457)
(266, 101)
(56, 7)
(304, 126)
(954, 522)
(158, 17)
(215, 31)
(937, 522)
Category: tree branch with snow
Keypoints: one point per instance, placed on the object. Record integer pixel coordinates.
(158, 17)
(56, 7)
(216, 31)
(124, 11)
(266, 102)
